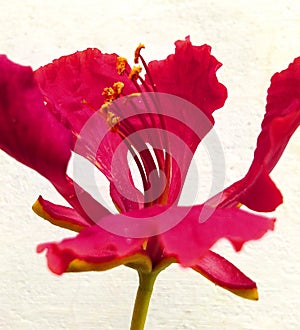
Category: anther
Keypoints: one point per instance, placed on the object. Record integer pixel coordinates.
(112, 120)
(118, 88)
(135, 72)
(121, 64)
(108, 93)
(137, 53)
(104, 108)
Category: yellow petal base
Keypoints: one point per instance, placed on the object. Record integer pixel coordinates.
(138, 261)
(38, 209)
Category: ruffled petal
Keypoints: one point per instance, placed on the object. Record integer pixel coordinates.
(190, 73)
(282, 116)
(58, 215)
(224, 274)
(256, 190)
(72, 88)
(191, 239)
(93, 249)
(30, 133)
(70, 80)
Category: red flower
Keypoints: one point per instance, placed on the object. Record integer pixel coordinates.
(43, 115)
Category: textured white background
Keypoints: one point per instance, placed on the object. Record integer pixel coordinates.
(253, 39)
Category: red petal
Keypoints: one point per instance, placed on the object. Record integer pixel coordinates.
(58, 215)
(223, 273)
(256, 190)
(29, 133)
(282, 116)
(191, 239)
(104, 148)
(122, 203)
(261, 193)
(81, 201)
(69, 80)
(92, 246)
(190, 73)
(32, 135)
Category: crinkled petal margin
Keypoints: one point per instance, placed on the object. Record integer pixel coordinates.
(94, 249)
(256, 190)
(191, 239)
(72, 88)
(190, 73)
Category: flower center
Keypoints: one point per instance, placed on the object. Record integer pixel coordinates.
(150, 160)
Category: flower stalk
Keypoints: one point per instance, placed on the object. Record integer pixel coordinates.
(142, 300)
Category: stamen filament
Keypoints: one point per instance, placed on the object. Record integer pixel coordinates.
(166, 167)
(148, 73)
(164, 163)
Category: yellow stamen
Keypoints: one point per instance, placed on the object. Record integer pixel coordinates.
(104, 108)
(112, 93)
(118, 88)
(134, 73)
(137, 53)
(112, 120)
(108, 93)
(121, 64)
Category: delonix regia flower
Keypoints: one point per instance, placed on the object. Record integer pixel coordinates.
(43, 119)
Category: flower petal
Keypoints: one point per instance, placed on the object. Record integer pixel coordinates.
(67, 84)
(191, 239)
(58, 215)
(32, 135)
(29, 133)
(282, 116)
(281, 120)
(256, 190)
(224, 274)
(69, 80)
(190, 73)
(139, 261)
(93, 249)
(107, 151)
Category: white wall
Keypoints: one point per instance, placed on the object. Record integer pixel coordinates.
(253, 39)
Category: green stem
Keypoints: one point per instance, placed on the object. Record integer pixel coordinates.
(142, 300)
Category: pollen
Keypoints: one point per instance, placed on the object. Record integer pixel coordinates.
(105, 108)
(112, 93)
(134, 73)
(118, 88)
(108, 93)
(112, 120)
(121, 65)
(137, 53)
